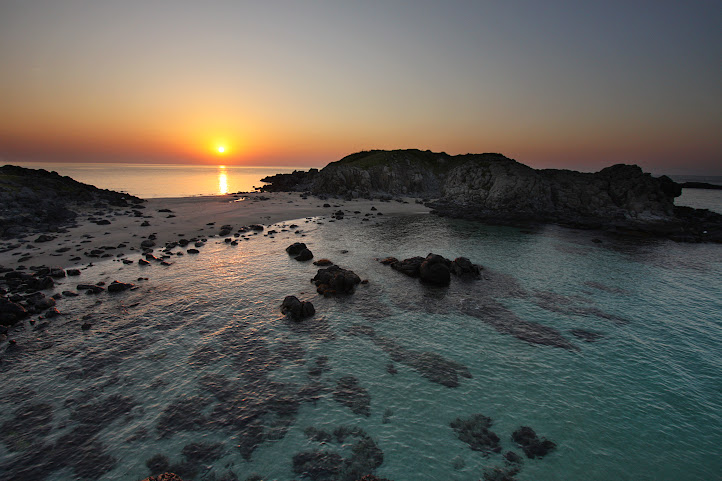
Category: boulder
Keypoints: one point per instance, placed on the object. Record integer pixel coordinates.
(465, 269)
(322, 263)
(297, 309)
(435, 269)
(117, 286)
(334, 280)
(11, 312)
(295, 248)
(411, 267)
(304, 255)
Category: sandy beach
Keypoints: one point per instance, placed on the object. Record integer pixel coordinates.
(170, 219)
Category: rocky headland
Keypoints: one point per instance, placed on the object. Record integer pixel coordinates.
(495, 189)
(35, 200)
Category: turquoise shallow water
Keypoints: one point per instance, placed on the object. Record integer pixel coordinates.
(200, 354)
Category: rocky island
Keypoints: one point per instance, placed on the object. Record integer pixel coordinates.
(495, 189)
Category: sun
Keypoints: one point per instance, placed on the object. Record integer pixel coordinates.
(221, 149)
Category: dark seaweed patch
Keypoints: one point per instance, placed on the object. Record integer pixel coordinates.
(432, 366)
(349, 393)
(328, 465)
(475, 432)
(31, 423)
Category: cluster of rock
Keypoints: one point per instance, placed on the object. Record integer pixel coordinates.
(435, 269)
(493, 188)
(476, 433)
(330, 281)
(35, 200)
(363, 458)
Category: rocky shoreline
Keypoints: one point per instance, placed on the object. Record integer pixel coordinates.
(495, 189)
(35, 200)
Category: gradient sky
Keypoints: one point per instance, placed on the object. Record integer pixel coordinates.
(563, 84)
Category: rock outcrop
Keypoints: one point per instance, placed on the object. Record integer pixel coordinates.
(35, 200)
(496, 189)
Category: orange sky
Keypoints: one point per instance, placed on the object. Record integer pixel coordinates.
(304, 85)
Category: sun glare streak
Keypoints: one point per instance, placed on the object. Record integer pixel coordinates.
(222, 180)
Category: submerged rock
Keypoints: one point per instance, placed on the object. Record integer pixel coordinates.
(531, 444)
(475, 432)
(349, 393)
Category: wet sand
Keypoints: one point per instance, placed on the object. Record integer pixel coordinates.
(189, 217)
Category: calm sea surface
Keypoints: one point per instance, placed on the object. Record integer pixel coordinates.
(163, 180)
(197, 372)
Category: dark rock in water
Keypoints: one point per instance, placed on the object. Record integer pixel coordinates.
(411, 267)
(117, 286)
(334, 280)
(73, 272)
(45, 238)
(11, 312)
(304, 255)
(57, 273)
(465, 269)
(475, 432)
(322, 263)
(103, 222)
(86, 326)
(143, 262)
(531, 444)
(256, 227)
(147, 243)
(435, 269)
(296, 309)
(388, 260)
(52, 312)
(349, 393)
(295, 248)
(90, 288)
(193, 251)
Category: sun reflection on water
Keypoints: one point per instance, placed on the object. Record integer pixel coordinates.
(222, 180)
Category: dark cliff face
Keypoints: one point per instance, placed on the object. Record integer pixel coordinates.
(498, 185)
(494, 188)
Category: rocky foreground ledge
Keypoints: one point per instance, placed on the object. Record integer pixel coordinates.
(495, 189)
(35, 200)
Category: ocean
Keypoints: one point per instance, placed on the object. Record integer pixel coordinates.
(611, 350)
(150, 181)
